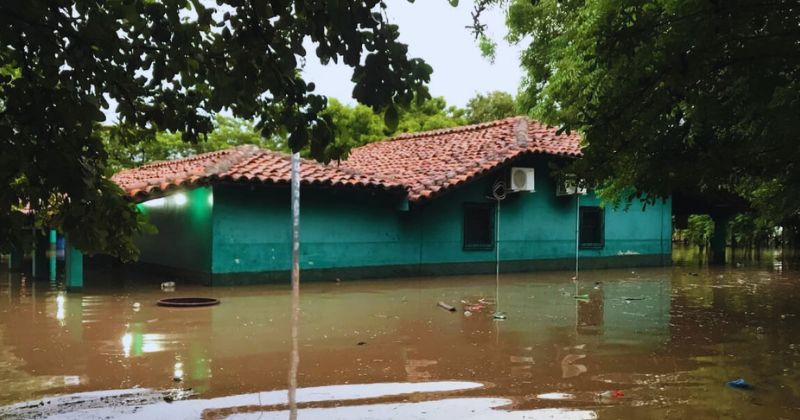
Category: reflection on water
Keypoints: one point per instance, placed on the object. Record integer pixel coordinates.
(643, 343)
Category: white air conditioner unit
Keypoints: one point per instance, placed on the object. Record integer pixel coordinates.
(522, 179)
(568, 186)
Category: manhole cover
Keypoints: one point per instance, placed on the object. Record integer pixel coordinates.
(184, 302)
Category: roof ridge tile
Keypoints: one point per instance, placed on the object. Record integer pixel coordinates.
(449, 130)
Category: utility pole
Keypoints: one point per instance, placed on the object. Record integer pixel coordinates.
(295, 357)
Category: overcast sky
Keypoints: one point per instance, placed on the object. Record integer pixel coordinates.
(435, 31)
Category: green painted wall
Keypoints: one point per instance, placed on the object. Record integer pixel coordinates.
(357, 229)
(183, 240)
(540, 225)
(338, 229)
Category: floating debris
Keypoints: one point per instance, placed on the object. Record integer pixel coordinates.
(612, 394)
(446, 306)
(739, 384)
(473, 307)
(555, 396)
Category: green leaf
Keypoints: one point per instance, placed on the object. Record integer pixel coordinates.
(391, 118)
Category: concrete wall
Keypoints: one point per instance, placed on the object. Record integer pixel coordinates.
(339, 228)
(540, 225)
(352, 234)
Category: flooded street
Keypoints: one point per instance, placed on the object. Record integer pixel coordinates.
(634, 343)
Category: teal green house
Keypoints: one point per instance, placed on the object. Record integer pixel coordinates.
(443, 202)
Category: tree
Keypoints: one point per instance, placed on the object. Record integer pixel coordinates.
(127, 149)
(354, 126)
(492, 106)
(427, 114)
(170, 66)
(670, 95)
(358, 125)
(700, 230)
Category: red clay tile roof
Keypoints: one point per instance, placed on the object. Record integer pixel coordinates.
(245, 163)
(429, 163)
(424, 164)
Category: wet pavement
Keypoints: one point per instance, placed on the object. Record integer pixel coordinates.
(634, 343)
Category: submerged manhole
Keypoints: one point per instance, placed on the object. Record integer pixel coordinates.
(184, 302)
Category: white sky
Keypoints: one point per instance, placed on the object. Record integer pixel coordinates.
(435, 31)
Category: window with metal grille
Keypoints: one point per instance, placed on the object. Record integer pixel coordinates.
(592, 229)
(478, 226)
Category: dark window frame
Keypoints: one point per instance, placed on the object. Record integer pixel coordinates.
(583, 243)
(493, 233)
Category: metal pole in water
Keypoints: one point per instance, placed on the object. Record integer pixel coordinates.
(577, 231)
(498, 194)
(577, 237)
(295, 357)
(497, 261)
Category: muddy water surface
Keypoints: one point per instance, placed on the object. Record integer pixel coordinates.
(643, 343)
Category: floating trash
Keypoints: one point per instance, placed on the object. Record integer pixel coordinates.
(612, 394)
(446, 307)
(472, 306)
(739, 384)
(555, 396)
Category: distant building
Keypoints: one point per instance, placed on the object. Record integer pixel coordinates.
(415, 204)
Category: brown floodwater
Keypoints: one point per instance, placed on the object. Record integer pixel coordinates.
(633, 343)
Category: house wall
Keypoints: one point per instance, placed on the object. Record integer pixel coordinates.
(183, 241)
(349, 234)
(537, 230)
(339, 229)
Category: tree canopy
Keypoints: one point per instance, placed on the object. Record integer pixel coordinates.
(127, 149)
(491, 106)
(670, 95)
(358, 125)
(169, 66)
